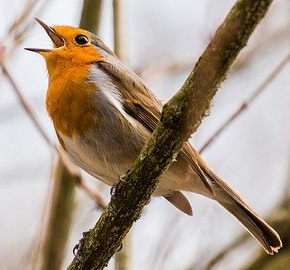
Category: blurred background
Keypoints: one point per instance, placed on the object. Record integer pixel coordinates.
(161, 41)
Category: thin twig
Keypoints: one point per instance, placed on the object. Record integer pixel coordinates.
(30, 4)
(240, 240)
(16, 32)
(167, 241)
(169, 66)
(278, 217)
(27, 107)
(93, 194)
(13, 30)
(246, 103)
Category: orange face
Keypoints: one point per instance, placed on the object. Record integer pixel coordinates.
(72, 47)
(68, 64)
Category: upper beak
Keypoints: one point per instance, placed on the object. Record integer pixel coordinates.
(55, 38)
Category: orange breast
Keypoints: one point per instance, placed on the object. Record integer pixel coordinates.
(69, 100)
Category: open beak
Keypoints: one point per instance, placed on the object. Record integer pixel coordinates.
(55, 38)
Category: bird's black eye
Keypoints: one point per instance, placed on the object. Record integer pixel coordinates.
(81, 39)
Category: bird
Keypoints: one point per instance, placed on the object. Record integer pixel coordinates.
(103, 113)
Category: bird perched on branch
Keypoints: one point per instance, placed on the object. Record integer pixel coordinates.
(102, 114)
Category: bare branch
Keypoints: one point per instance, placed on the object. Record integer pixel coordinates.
(279, 218)
(27, 107)
(16, 32)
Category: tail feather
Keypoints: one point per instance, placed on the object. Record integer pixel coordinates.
(180, 202)
(258, 228)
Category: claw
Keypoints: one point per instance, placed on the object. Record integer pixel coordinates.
(120, 247)
(149, 200)
(113, 189)
(115, 185)
(77, 250)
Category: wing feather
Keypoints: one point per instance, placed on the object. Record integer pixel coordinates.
(147, 109)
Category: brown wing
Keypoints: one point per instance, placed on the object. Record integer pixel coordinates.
(141, 113)
(132, 88)
(143, 106)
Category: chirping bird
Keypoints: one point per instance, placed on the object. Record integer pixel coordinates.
(103, 113)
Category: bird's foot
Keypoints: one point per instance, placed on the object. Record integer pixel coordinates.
(120, 247)
(115, 185)
(77, 250)
(148, 201)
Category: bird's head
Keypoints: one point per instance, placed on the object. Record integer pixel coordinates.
(71, 47)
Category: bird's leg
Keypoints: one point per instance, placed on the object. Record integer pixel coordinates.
(77, 250)
(115, 185)
(113, 188)
(120, 247)
(148, 201)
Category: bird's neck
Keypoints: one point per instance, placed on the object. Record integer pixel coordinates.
(70, 59)
(69, 99)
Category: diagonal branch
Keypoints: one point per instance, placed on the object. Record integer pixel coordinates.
(279, 218)
(15, 33)
(180, 117)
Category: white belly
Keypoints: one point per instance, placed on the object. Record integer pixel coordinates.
(109, 163)
(101, 158)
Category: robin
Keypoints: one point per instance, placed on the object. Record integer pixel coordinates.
(103, 113)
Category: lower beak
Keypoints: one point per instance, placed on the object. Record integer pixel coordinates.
(55, 38)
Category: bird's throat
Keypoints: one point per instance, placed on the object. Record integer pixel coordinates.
(69, 100)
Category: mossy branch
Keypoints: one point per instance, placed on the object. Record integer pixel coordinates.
(181, 116)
